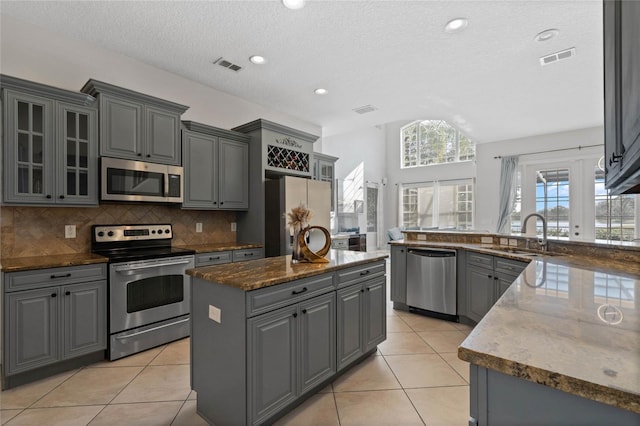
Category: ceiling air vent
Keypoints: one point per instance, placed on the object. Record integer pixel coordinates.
(555, 57)
(226, 64)
(365, 109)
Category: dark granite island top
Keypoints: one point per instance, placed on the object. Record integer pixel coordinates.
(269, 271)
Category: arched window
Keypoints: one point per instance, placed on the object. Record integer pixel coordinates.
(434, 142)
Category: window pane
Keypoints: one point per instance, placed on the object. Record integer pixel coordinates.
(38, 118)
(71, 125)
(83, 155)
(38, 154)
(438, 206)
(83, 183)
(71, 182)
(71, 153)
(23, 116)
(434, 142)
(552, 201)
(614, 214)
(23, 147)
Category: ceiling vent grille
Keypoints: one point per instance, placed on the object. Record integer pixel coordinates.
(365, 109)
(226, 64)
(558, 56)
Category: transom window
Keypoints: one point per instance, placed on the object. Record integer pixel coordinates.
(434, 142)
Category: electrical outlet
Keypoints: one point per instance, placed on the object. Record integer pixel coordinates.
(215, 314)
(69, 231)
(486, 240)
(513, 242)
(504, 241)
(233, 227)
(198, 227)
(422, 237)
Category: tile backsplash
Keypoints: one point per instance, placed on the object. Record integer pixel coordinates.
(38, 231)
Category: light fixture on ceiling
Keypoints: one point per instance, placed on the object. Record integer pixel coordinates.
(546, 34)
(257, 59)
(293, 4)
(320, 91)
(456, 25)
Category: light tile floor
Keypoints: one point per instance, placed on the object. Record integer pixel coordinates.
(414, 378)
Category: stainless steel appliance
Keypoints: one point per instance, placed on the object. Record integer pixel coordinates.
(149, 292)
(281, 196)
(127, 180)
(431, 280)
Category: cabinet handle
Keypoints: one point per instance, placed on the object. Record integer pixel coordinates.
(248, 254)
(214, 258)
(294, 292)
(67, 293)
(364, 273)
(614, 158)
(62, 197)
(67, 275)
(295, 314)
(495, 278)
(49, 196)
(304, 311)
(221, 202)
(139, 154)
(54, 294)
(489, 276)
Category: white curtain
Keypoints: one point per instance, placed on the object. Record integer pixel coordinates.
(508, 169)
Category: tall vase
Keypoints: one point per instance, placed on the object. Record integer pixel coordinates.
(296, 253)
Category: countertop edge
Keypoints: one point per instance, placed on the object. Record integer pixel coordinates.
(19, 264)
(604, 394)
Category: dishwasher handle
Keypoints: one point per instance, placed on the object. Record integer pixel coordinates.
(433, 253)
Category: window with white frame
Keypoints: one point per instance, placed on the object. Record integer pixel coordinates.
(553, 202)
(434, 142)
(437, 205)
(615, 215)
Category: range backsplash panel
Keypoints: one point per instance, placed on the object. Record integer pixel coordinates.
(38, 231)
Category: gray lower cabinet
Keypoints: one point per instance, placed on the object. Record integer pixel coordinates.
(136, 126)
(399, 274)
(271, 347)
(50, 145)
(291, 350)
(53, 315)
(361, 319)
(487, 278)
(216, 166)
(228, 256)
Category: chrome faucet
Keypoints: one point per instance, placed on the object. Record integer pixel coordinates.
(543, 244)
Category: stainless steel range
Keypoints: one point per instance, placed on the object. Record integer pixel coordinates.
(149, 292)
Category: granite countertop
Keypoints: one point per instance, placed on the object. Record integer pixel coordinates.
(16, 264)
(567, 322)
(205, 248)
(260, 273)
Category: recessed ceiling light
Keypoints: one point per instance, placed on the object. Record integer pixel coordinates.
(546, 35)
(320, 91)
(293, 4)
(257, 59)
(455, 25)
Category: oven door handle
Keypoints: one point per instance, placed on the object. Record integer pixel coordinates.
(125, 269)
(151, 329)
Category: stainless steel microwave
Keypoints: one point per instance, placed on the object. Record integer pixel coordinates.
(128, 180)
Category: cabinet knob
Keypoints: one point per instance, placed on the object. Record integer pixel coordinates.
(488, 276)
(221, 202)
(139, 154)
(148, 155)
(304, 311)
(62, 197)
(49, 196)
(362, 290)
(295, 314)
(215, 202)
(67, 293)
(54, 294)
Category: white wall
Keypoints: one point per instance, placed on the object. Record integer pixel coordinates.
(488, 168)
(33, 53)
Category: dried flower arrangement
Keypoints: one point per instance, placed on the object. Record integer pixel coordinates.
(299, 217)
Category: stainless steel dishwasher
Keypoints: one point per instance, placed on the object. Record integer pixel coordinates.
(431, 280)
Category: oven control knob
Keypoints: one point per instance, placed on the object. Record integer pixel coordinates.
(101, 234)
(153, 231)
(110, 233)
(166, 231)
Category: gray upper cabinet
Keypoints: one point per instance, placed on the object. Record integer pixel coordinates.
(50, 145)
(136, 126)
(622, 95)
(216, 168)
(324, 169)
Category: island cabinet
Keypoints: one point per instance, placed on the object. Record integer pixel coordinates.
(52, 316)
(622, 95)
(399, 274)
(228, 256)
(487, 278)
(216, 167)
(50, 145)
(259, 351)
(136, 126)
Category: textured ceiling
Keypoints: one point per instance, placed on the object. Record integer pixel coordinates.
(394, 55)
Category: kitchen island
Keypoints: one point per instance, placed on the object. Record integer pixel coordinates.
(267, 333)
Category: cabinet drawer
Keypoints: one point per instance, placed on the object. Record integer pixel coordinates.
(269, 298)
(340, 244)
(25, 280)
(213, 258)
(358, 273)
(509, 266)
(482, 260)
(247, 254)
